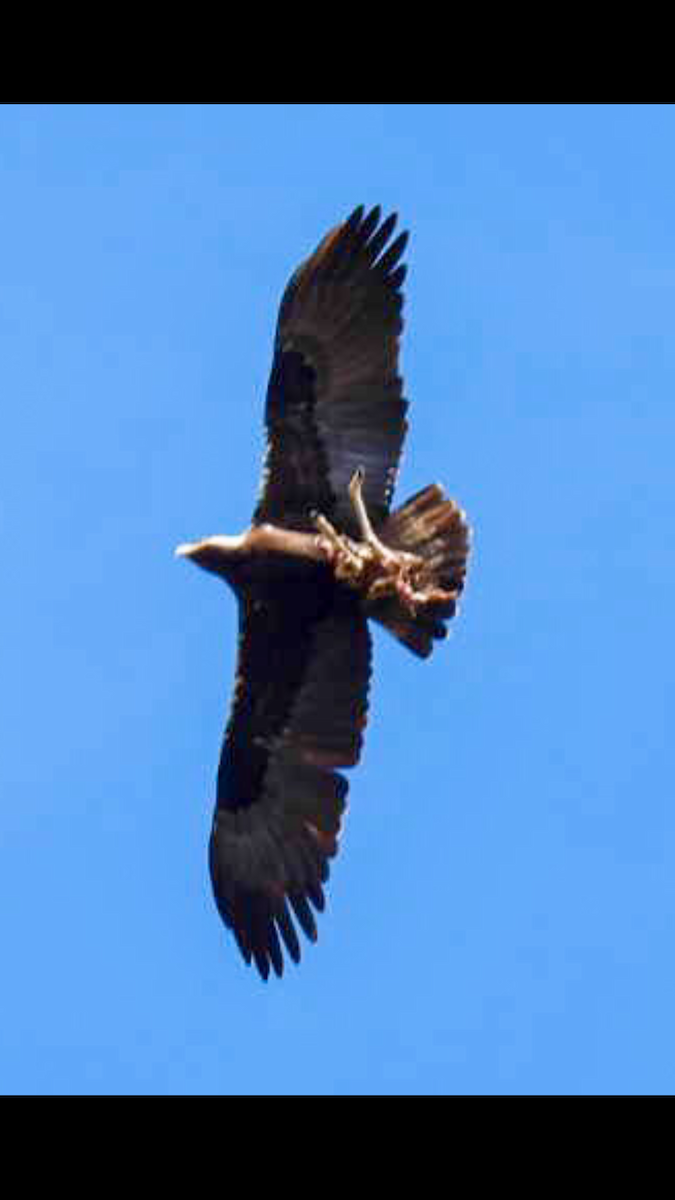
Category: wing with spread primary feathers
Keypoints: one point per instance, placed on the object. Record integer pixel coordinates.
(299, 712)
(334, 399)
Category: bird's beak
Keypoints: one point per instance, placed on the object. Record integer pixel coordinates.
(214, 553)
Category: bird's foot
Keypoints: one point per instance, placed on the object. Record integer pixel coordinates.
(396, 572)
(406, 581)
(344, 555)
(374, 569)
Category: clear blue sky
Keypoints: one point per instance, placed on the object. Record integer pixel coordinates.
(502, 914)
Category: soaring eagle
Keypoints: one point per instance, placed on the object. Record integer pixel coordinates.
(322, 556)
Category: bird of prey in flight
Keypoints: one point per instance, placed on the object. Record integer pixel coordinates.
(323, 556)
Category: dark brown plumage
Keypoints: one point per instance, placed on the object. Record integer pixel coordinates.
(322, 556)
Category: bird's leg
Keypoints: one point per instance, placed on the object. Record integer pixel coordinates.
(340, 551)
(351, 559)
(396, 568)
(392, 571)
(360, 511)
(373, 568)
(383, 553)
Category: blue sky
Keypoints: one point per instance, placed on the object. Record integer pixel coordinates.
(501, 917)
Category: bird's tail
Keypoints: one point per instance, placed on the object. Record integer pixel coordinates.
(434, 528)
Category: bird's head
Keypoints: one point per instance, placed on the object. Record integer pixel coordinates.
(218, 554)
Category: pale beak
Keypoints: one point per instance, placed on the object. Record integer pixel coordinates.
(215, 548)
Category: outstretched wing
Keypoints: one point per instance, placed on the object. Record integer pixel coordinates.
(334, 399)
(299, 712)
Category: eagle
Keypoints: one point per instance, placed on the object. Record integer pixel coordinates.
(324, 556)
